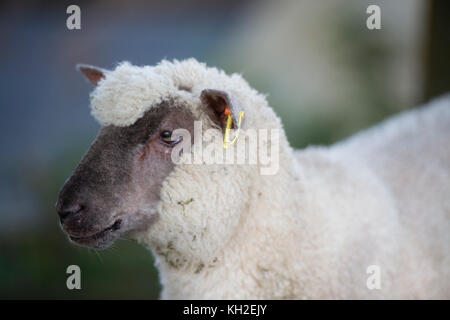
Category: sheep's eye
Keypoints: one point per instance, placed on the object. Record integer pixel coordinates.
(166, 137)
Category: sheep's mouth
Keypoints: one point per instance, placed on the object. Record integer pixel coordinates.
(100, 239)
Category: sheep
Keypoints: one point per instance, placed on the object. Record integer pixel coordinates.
(311, 229)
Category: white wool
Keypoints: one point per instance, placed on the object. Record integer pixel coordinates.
(312, 229)
(129, 91)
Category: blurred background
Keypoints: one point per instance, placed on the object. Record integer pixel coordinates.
(326, 74)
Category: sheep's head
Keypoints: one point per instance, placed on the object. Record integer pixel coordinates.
(127, 183)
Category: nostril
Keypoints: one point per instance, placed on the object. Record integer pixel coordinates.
(116, 225)
(65, 212)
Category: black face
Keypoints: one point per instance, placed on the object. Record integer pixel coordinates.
(115, 188)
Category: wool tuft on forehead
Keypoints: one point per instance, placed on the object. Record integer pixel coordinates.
(128, 91)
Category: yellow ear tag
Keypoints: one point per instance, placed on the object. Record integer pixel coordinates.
(226, 138)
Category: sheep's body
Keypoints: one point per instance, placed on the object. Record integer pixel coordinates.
(409, 156)
(379, 198)
(312, 229)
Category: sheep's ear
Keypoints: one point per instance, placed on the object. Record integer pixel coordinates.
(216, 103)
(93, 74)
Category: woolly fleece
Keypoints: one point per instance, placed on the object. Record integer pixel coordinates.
(310, 230)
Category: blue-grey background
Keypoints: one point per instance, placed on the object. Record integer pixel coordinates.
(326, 74)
